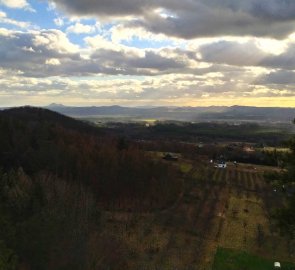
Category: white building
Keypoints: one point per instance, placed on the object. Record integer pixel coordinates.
(221, 164)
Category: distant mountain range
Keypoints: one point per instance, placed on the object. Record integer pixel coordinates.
(189, 114)
(214, 113)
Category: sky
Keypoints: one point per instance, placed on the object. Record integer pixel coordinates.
(147, 52)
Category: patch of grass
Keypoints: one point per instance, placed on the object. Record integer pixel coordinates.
(185, 167)
(227, 259)
(278, 149)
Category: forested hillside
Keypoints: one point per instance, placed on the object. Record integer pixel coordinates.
(56, 175)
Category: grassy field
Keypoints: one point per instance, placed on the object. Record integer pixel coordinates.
(220, 210)
(227, 259)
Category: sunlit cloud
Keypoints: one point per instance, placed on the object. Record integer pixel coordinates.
(18, 4)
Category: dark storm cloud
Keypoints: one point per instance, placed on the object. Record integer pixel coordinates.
(195, 18)
(280, 77)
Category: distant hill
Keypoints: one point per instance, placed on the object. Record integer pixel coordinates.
(39, 116)
(55, 105)
(213, 113)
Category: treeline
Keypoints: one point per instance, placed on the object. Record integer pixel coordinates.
(206, 132)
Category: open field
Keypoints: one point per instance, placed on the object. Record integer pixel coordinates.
(219, 208)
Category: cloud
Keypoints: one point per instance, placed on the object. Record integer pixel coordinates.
(233, 53)
(19, 4)
(249, 52)
(79, 28)
(52, 61)
(59, 22)
(174, 89)
(120, 32)
(47, 53)
(191, 19)
(28, 51)
(280, 77)
(41, 63)
(285, 60)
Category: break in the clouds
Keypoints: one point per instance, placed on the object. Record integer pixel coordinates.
(147, 52)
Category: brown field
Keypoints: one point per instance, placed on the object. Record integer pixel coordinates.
(227, 208)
